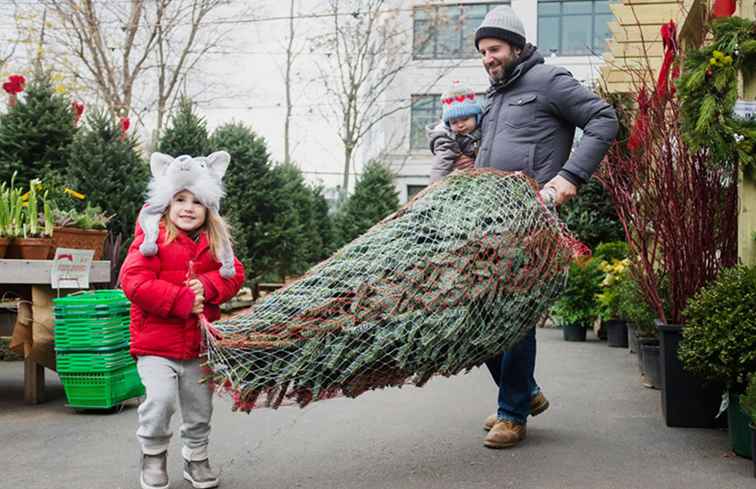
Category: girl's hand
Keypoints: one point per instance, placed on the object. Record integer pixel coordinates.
(196, 287)
(199, 304)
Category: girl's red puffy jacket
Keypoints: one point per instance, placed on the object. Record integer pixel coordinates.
(162, 322)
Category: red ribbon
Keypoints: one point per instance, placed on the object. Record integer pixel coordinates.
(125, 123)
(78, 110)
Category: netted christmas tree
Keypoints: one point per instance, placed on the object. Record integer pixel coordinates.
(456, 276)
(35, 133)
(186, 134)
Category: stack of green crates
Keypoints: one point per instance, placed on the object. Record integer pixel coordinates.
(92, 347)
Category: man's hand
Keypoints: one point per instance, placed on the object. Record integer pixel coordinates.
(463, 162)
(564, 190)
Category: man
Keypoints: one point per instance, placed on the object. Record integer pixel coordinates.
(529, 126)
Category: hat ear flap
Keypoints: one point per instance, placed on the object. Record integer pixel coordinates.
(218, 163)
(159, 164)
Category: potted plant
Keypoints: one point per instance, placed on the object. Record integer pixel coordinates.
(35, 239)
(641, 330)
(719, 342)
(575, 310)
(608, 301)
(609, 251)
(748, 404)
(11, 208)
(86, 229)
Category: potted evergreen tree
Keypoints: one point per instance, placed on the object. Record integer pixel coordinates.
(575, 310)
(748, 404)
(719, 342)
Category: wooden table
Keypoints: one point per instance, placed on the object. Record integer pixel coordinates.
(20, 276)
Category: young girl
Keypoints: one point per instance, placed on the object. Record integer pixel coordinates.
(169, 290)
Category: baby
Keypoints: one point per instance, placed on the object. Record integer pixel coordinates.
(457, 134)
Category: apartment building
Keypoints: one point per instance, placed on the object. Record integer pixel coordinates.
(570, 33)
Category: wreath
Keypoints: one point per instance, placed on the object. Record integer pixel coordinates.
(708, 90)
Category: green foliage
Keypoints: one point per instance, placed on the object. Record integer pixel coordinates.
(748, 399)
(186, 134)
(323, 224)
(615, 272)
(374, 198)
(11, 209)
(36, 133)
(719, 338)
(109, 171)
(708, 90)
(251, 204)
(614, 250)
(590, 215)
(92, 217)
(577, 304)
(632, 306)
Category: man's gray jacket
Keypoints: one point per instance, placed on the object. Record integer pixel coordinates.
(529, 124)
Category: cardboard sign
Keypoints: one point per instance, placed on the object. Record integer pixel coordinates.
(71, 268)
(745, 109)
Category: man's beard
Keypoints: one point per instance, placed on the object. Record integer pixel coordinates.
(505, 68)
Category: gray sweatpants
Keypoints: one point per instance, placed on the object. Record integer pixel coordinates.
(168, 383)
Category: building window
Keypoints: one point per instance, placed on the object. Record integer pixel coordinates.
(573, 27)
(448, 31)
(413, 190)
(426, 111)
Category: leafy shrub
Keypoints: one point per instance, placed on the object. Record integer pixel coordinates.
(748, 399)
(577, 304)
(719, 339)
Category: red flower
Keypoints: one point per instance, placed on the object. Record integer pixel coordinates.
(15, 84)
(723, 8)
(78, 108)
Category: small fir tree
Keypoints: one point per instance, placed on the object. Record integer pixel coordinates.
(35, 134)
(186, 134)
(323, 223)
(108, 169)
(374, 198)
(251, 202)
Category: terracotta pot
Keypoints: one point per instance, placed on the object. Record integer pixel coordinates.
(34, 248)
(79, 239)
(3, 246)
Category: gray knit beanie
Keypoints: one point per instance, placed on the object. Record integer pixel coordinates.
(502, 23)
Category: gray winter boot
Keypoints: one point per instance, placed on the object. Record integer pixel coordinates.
(200, 474)
(154, 473)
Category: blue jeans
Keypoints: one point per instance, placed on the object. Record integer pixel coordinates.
(513, 373)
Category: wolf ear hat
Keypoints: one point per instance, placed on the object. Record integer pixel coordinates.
(202, 176)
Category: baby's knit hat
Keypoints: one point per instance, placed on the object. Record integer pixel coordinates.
(459, 102)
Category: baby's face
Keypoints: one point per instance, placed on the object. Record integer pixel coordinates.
(465, 125)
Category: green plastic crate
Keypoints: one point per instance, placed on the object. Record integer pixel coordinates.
(90, 362)
(99, 303)
(91, 333)
(102, 390)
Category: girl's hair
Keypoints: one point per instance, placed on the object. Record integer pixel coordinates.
(215, 227)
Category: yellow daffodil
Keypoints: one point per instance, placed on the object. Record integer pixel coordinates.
(74, 194)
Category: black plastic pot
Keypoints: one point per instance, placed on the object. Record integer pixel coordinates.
(650, 363)
(753, 448)
(616, 333)
(573, 332)
(687, 401)
(632, 338)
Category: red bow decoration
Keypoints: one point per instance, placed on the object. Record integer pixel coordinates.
(15, 84)
(723, 8)
(78, 110)
(13, 87)
(669, 39)
(125, 123)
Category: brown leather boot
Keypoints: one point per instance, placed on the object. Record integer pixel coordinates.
(505, 434)
(538, 404)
